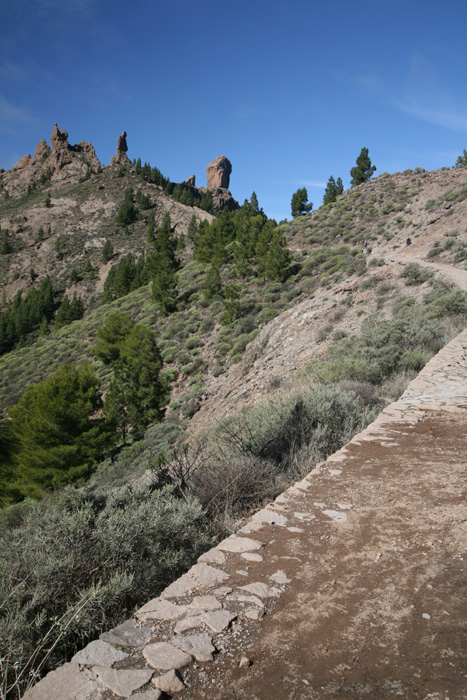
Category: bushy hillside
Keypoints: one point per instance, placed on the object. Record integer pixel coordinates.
(278, 343)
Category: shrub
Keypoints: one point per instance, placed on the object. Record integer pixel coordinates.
(414, 274)
(192, 342)
(80, 560)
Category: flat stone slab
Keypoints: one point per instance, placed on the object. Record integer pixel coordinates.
(251, 599)
(261, 590)
(127, 635)
(198, 645)
(270, 516)
(205, 602)
(239, 544)
(66, 683)
(304, 516)
(160, 609)
(336, 515)
(188, 624)
(153, 694)
(206, 575)
(170, 682)
(98, 653)
(218, 620)
(123, 682)
(251, 556)
(213, 556)
(199, 576)
(255, 614)
(280, 577)
(164, 656)
(249, 528)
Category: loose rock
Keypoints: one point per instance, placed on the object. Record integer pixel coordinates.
(98, 653)
(170, 682)
(164, 656)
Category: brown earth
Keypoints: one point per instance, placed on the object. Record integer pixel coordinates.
(376, 606)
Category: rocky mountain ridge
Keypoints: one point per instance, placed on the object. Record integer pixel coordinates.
(59, 207)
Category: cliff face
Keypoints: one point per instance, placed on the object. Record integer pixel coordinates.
(59, 163)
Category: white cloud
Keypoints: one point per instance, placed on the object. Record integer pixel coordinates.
(312, 183)
(427, 97)
(12, 116)
(457, 121)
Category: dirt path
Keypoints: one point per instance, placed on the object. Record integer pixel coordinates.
(456, 275)
(371, 557)
(376, 608)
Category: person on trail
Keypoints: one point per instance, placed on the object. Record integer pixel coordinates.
(408, 241)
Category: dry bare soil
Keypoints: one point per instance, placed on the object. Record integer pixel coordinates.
(376, 606)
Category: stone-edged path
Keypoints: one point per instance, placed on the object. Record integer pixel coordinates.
(350, 585)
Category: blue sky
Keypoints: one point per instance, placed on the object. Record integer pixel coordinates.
(289, 90)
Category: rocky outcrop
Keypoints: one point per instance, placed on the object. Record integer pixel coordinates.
(24, 162)
(42, 150)
(121, 158)
(62, 162)
(218, 176)
(218, 173)
(190, 181)
(59, 138)
(222, 198)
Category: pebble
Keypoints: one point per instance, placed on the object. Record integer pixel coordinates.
(245, 662)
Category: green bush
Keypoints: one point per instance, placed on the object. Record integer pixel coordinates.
(192, 342)
(80, 561)
(405, 342)
(414, 274)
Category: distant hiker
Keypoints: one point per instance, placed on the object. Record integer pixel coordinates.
(408, 241)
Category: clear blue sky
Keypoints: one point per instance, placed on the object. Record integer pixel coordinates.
(289, 90)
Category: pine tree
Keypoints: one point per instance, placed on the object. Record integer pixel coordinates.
(127, 213)
(299, 204)
(212, 287)
(111, 336)
(76, 309)
(192, 228)
(461, 161)
(164, 264)
(62, 315)
(231, 303)
(150, 227)
(363, 170)
(58, 435)
(137, 394)
(44, 328)
(107, 251)
(277, 259)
